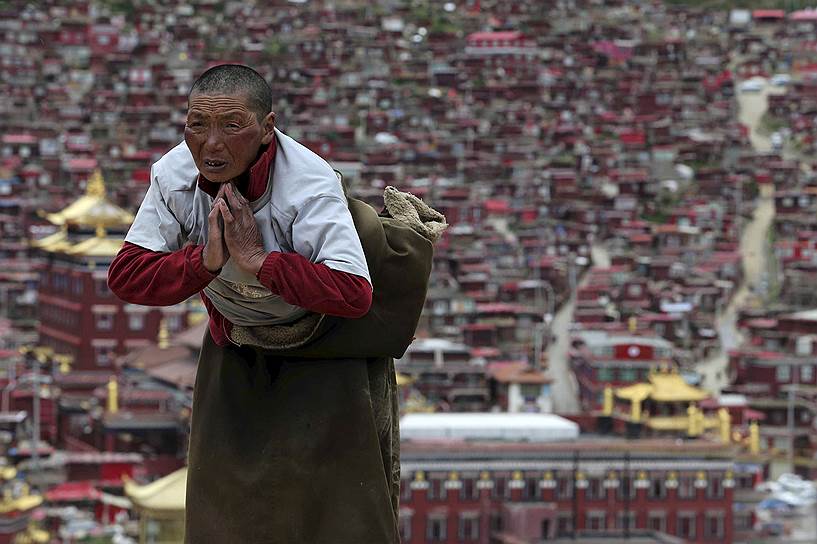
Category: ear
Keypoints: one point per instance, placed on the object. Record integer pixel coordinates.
(269, 128)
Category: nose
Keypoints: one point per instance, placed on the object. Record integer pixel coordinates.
(214, 140)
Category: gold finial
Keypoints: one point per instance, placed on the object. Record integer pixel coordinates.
(632, 324)
(754, 438)
(642, 475)
(635, 411)
(692, 421)
(164, 335)
(101, 232)
(96, 185)
(484, 475)
(700, 475)
(548, 475)
(611, 475)
(113, 395)
(517, 475)
(607, 409)
(64, 362)
(453, 475)
(672, 476)
(725, 420)
(419, 476)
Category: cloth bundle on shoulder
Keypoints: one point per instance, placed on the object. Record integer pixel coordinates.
(398, 245)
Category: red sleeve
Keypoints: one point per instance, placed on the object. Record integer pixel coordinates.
(151, 278)
(315, 287)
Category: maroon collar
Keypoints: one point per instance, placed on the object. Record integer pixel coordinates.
(252, 183)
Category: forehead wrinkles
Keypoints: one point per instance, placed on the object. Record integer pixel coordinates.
(217, 104)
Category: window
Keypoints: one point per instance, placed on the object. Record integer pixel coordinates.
(605, 374)
(435, 529)
(564, 487)
(806, 373)
(136, 322)
(715, 488)
(500, 489)
(469, 489)
(657, 488)
(101, 288)
(531, 490)
(405, 490)
(174, 322)
(713, 527)
(596, 521)
(783, 373)
(686, 525)
(547, 527)
(530, 391)
(626, 488)
(628, 375)
(686, 487)
(469, 527)
(436, 489)
(405, 526)
(104, 322)
(595, 489)
(743, 520)
(657, 521)
(564, 525)
(102, 355)
(77, 286)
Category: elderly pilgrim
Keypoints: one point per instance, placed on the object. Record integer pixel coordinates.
(294, 432)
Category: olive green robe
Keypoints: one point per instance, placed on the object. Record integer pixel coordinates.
(294, 435)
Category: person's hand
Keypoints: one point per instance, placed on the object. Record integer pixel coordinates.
(240, 232)
(215, 252)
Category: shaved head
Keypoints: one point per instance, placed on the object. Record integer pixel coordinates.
(232, 79)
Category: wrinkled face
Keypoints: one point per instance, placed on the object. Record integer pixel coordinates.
(224, 135)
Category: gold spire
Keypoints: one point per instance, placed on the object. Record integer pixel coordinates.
(96, 185)
(93, 208)
(113, 395)
(607, 409)
(164, 334)
(754, 438)
(725, 420)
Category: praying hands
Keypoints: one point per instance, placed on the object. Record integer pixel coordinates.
(240, 233)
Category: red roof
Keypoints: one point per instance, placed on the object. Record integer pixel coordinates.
(494, 36)
(19, 139)
(496, 205)
(768, 14)
(82, 164)
(73, 492)
(804, 15)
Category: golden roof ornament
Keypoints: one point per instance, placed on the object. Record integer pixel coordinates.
(164, 334)
(96, 184)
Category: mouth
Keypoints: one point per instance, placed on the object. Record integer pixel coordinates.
(214, 165)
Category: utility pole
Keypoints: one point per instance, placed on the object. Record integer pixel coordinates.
(795, 376)
(35, 400)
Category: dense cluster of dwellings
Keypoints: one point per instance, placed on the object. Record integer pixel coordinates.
(553, 140)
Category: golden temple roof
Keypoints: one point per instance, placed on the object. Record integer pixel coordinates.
(662, 387)
(100, 245)
(677, 423)
(164, 495)
(20, 504)
(53, 242)
(93, 209)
